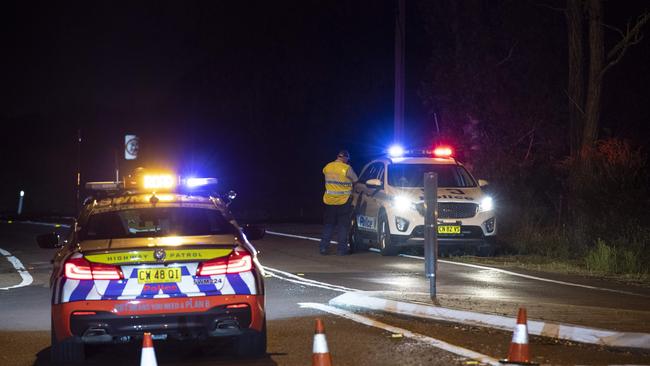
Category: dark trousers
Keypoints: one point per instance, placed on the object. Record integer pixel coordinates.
(336, 217)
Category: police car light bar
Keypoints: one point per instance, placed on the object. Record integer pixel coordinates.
(443, 152)
(158, 181)
(396, 151)
(199, 182)
(104, 186)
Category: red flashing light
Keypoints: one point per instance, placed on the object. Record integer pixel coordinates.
(237, 262)
(237, 306)
(81, 269)
(443, 152)
(84, 313)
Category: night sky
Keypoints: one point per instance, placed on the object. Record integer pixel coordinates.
(259, 94)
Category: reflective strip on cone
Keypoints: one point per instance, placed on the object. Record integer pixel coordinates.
(320, 344)
(520, 335)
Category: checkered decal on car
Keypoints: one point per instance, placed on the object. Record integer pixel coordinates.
(68, 290)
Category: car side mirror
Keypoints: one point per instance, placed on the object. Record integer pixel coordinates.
(230, 196)
(48, 241)
(254, 232)
(373, 183)
(483, 183)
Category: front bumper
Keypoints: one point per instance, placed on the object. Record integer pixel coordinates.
(112, 321)
(469, 237)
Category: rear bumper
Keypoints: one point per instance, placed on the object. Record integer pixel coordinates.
(109, 321)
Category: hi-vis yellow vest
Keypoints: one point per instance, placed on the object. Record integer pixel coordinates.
(338, 186)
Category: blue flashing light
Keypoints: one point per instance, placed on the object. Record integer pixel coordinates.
(199, 182)
(396, 151)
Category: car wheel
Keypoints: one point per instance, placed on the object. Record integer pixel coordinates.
(251, 344)
(67, 352)
(385, 247)
(355, 243)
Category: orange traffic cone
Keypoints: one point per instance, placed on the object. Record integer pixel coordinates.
(321, 354)
(148, 356)
(519, 354)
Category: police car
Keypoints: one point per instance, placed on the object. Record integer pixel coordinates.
(160, 254)
(389, 204)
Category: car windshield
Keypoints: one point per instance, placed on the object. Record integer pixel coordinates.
(412, 175)
(144, 222)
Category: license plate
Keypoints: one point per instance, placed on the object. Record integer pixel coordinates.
(157, 275)
(448, 229)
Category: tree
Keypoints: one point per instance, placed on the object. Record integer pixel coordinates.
(584, 97)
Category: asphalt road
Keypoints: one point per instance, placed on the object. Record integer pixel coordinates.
(24, 311)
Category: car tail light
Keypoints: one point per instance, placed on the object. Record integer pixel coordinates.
(81, 269)
(213, 267)
(239, 262)
(236, 262)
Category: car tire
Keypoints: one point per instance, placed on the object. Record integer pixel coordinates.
(251, 343)
(68, 352)
(383, 237)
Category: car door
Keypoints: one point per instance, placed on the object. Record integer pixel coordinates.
(366, 205)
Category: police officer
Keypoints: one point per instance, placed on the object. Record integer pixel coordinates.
(339, 178)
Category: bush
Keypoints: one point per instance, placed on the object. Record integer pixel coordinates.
(609, 259)
(602, 221)
(609, 192)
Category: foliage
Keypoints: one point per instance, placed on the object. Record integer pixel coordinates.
(609, 191)
(612, 259)
(501, 104)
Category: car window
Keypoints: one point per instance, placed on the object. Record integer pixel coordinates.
(156, 221)
(367, 173)
(412, 175)
(380, 172)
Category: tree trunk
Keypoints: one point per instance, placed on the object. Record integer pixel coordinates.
(594, 86)
(575, 88)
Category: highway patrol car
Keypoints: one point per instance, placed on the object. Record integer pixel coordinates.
(159, 254)
(389, 204)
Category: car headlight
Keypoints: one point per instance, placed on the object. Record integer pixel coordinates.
(403, 203)
(487, 204)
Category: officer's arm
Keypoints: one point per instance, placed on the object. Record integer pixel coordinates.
(352, 175)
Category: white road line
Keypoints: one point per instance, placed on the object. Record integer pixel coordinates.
(361, 299)
(297, 236)
(303, 279)
(460, 351)
(44, 224)
(306, 283)
(367, 301)
(38, 223)
(27, 279)
(535, 278)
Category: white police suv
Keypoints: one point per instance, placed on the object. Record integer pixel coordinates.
(389, 204)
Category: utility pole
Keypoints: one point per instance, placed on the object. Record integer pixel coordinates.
(430, 230)
(400, 32)
(78, 202)
(117, 167)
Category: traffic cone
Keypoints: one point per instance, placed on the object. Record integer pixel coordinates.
(519, 354)
(321, 354)
(148, 356)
